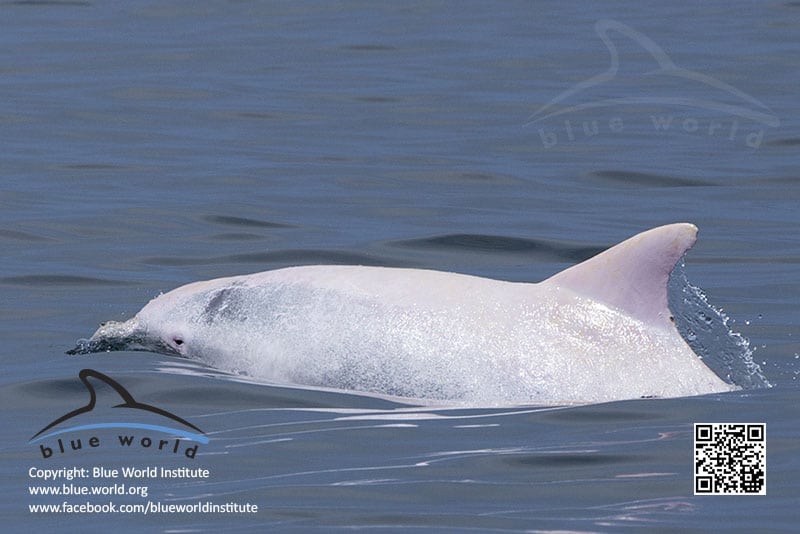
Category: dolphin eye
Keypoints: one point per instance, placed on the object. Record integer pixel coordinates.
(178, 341)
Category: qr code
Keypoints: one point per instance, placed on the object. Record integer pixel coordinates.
(730, 459)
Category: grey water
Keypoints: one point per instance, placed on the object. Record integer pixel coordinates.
(146, 145)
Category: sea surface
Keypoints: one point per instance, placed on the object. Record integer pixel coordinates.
(145, 145)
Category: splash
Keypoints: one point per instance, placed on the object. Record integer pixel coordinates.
(708, 332)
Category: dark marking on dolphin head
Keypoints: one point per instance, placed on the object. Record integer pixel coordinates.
(226, 304)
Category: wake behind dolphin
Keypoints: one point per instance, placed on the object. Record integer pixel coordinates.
(598, 331)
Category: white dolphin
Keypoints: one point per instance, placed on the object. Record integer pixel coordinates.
(595, 332)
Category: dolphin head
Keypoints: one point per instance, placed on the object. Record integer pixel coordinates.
(132, 335)
(167, 324)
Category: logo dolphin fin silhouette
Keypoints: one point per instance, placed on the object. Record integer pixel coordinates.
(747, 107)
(129, 402)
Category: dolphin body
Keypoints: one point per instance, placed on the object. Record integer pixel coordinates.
(598, 331)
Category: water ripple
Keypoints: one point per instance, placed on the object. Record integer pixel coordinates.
(59, 280)
(229, 220)
(545, 250)
(641, 179)
(286, 257)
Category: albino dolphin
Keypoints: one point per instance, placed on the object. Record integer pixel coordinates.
(598, 331)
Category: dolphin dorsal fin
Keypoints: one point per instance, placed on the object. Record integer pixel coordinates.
(633, 275)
